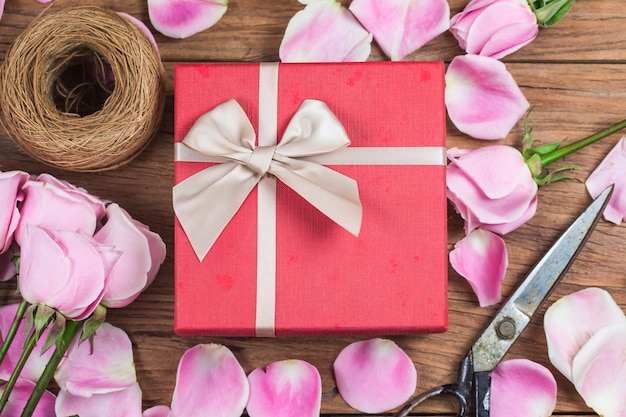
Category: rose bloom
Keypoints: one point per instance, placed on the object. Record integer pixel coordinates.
(10, 194)
(494, 28)
(63, 269)
(491, 188)
(55, 204)
(141, 254)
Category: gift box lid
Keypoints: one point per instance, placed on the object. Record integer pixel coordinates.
(392, 277)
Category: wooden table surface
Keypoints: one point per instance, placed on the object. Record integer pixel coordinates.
(574, 76)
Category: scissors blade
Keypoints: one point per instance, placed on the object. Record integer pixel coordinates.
(516, 313)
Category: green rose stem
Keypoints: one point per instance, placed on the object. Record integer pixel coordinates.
(19, 366)
(540, 157)
(19, 316)
(62, 344)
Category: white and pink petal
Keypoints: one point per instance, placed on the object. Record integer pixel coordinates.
(481, 258)
(573, 319)
(124, 403)
(375, 375)
(325, 31)
(285, 389)
(401, 27)
(599, 371)
(612, 170)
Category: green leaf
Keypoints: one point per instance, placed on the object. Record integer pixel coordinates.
(43, 316)
(550, 12)
(54, 333)
(93, 323)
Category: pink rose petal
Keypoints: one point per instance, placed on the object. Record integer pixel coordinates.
(209, 382)
(481, 258)
(325, 31)
(108, 367)
(158, 411)
(599, 371)
(8, 269)
(374, 376)
(573, 319)
(401, 27)
(612, 170)
(183, 18)
(19, 397)
(286, 389)
(520, 387)
(124, 403)
(482, 98)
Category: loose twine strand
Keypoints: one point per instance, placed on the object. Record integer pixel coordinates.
(57, 102)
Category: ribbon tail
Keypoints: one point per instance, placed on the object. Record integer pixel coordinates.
(332, 193)
(195, 200)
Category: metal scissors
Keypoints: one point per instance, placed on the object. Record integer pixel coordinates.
(474, 372)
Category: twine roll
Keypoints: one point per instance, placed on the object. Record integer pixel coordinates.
(60, 115)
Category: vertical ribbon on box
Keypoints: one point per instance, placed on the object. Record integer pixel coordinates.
(313, 138)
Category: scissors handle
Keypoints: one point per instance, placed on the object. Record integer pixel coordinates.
(461, 390)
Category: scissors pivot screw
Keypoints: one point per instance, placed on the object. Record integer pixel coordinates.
(506, 328)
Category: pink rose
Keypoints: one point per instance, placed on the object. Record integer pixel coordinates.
(10, 194)
(494, 28)
(491, 188)
(64, 270)
(142, 253)
(55, 205)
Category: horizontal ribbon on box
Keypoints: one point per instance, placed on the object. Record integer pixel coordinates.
(206, 202)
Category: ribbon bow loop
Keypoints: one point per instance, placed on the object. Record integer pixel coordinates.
(206, 202)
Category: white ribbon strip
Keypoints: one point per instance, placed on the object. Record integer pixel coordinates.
(266, 217)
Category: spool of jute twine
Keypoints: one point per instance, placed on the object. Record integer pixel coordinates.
(82, 89)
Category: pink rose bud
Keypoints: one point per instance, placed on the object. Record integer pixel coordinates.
(55, 205)
(62, 269)
(491, 188)
(494, 28)
(141, 254)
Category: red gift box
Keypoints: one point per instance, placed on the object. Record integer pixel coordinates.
(307, 275)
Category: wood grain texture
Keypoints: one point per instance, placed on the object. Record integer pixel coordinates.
(573, 75)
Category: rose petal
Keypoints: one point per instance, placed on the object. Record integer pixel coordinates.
(209, 382)
(11, 183)
(482, 97)
(374, 376)
(108, 367)
(599, 371)
(401, 27)
(19, 397)
(124, 403)
(481, 258)
(325, 31)
(612, 170)
(8, 269)
(287, 388)
(158, 411)
(184, 18)
(571, 320)
(520, 387)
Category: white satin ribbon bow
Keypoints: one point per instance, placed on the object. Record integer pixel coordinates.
(206, 202)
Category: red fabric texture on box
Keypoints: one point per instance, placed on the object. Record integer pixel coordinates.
(392, 278)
